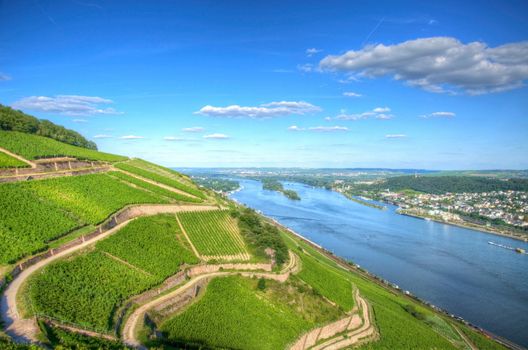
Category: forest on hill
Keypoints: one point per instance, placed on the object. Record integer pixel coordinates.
(14, 120)
(444, 184)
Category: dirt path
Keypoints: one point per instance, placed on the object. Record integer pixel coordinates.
(26, 330)
(342, 333)
(131, 324)
(31, 164)
(464, 338)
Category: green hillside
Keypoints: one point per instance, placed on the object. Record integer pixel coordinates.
(35, 147)
(6, 161)
(185, 268)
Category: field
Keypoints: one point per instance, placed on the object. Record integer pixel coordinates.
(142, 168)
(153, 188)
(6, 161)
(154, 244)
(85, 289)
(35, 147)
(325, 281)
(27, 221)
(233, 314)
(33, 213)
(213, 233)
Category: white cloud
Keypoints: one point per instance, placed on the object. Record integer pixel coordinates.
(351, 94)
(438, 115)
(395, 136)
(67, 104)
(173, 138)
(306, 67)
(439, 64)
(102, 136)
(336, 128)
(80, 121)
(312, 51)
(216, 136)
(4, 77)
(376, 113)
(267, 110)
(193, 129)
(132, 137)
(381, 110)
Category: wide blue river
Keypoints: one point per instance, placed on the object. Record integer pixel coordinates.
(451, 267)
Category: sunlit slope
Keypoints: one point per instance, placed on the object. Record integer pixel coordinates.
(87, 289)
(6, 161)
(35, 147)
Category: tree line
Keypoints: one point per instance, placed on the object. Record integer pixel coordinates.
(15, 120)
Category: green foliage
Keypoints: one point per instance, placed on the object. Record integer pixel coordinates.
(14, 120)
(154, 188)
(443, 184)
(327, 282)
(34, 213)
(481, 341)
(85, 289)
(93, 197)
(6, 161)
(154, 244)
(62, 339)
(261, 285)
(260, 235)
(213, 233)
(274, 185)
(7, 344)
(136, 167)
(35, 147)
(28, 221)
(233, 315)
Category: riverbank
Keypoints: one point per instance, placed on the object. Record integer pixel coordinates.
(465, 225)
(363, 202)
(392, 288)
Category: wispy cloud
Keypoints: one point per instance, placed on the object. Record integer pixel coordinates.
(73, 105)
(395, 136)
(438, 115)
(352, 94)
(175, 138)
(194, 129)
(80, 121)
(377, 113)
(132, 137)
(306, 67)
(439, 64)
(4, 77)
(102, 136)
(267, 110)
(312, 51)
(336, 128)
(216, 136)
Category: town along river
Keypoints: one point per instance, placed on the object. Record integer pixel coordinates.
(451, 267)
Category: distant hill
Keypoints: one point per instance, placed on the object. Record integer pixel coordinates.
(443, 184)
(14, 120)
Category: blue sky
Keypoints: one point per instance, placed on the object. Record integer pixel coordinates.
(277, 83)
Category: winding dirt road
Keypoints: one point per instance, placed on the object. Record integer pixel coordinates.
(26, 330)
(131, 324)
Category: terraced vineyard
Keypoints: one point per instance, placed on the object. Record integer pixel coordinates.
(214, 234)
(153, 188)
(140, 168)
(6, 161)
(33, 213)
(154, 244)
(85, 289)
(234, 314)
(35, 147)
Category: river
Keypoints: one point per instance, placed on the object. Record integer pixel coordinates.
(451, 267)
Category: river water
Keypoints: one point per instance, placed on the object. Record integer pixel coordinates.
(451, 267)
